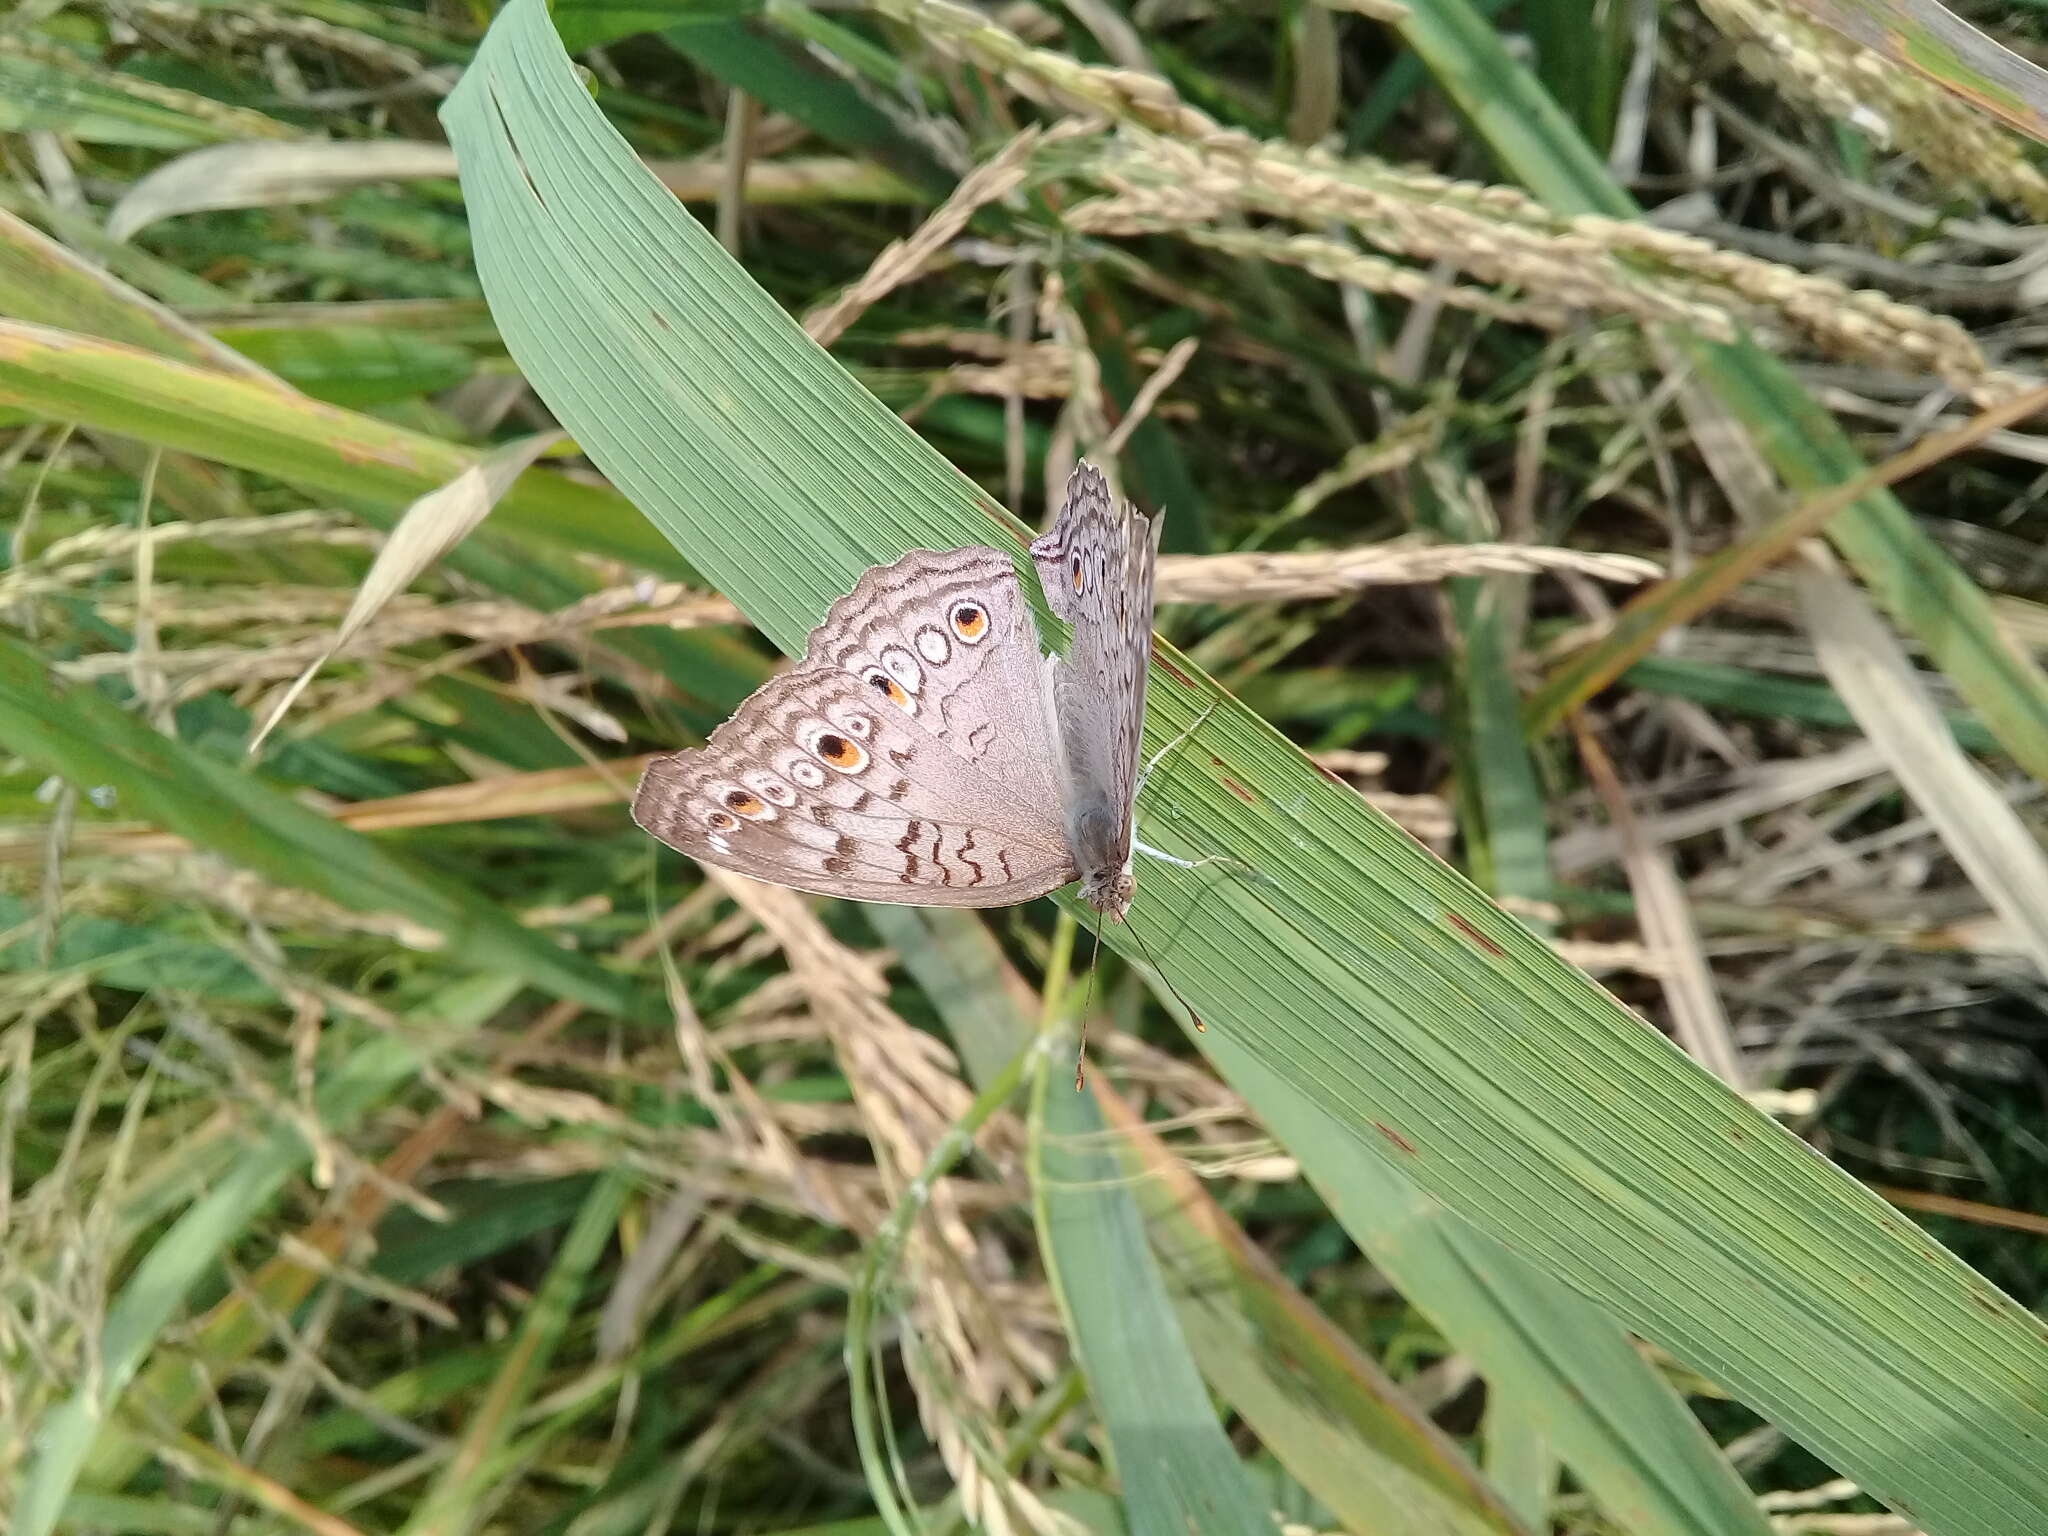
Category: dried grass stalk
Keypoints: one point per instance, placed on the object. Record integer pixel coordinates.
(902, 260)
(1295, 576)
(969, 1362)
(1171, 163)
(489, 626)
(1564, 268)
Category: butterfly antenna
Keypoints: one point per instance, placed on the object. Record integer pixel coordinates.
(1158, 971)
(1088, 1003)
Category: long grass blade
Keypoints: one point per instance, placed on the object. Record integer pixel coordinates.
(461, 1497)
(1939, 45)
(1179, 1473)
(1327, 1413)
(82, 734)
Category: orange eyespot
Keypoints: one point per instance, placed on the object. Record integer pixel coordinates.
(889, 689)
(718, 821)
(1080, 577)
(744, 803)
(970, 621)
(840, 752)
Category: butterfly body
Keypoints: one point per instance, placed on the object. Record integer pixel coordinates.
(922, 751)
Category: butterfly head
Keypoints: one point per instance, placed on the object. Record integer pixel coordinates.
(1110, 890)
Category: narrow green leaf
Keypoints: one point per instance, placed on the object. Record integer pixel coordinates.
(1766, 695)
(463, 1495)
(1938, 45)
(1507, 830)
(355, 366)
(777, 73)
(1627, 1437)
(267, 428)
(1325, 1412)
(1179, 1473)
(1519, 1456)
(84, 735)
(1926, 593)
(48, 87)
(1581, 61)
(47, 282)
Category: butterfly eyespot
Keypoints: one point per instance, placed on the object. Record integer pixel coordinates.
(746, 803)
(858, 725)
(719, 821)
(810, 775)
(839, 752)
(903, 667)
(890, 689)
(772, 788)
(1080, 576)
(970, 622)
(933, 645)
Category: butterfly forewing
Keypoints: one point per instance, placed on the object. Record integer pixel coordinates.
(901, 760)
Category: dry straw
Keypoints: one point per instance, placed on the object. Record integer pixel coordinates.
(1173, 167)
(903, 260)
(489, 626)
(255, 26)
(970, 1363)
(1559, 270)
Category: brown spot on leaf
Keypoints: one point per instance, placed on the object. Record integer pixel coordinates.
(989, 509)
(1465, 927)
(1395, 1137)
(1331, 774)
(1239, 790)
(1169, 668)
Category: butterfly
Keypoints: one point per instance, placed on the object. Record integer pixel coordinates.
(923, 751)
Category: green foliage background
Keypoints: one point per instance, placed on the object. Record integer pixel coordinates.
(210, 1045)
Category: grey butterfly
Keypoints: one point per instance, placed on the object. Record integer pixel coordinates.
(923, 751)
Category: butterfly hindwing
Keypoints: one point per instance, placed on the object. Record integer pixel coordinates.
(1096, 563)
(900, 760)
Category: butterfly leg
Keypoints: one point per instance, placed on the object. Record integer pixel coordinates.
(1167, 858)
